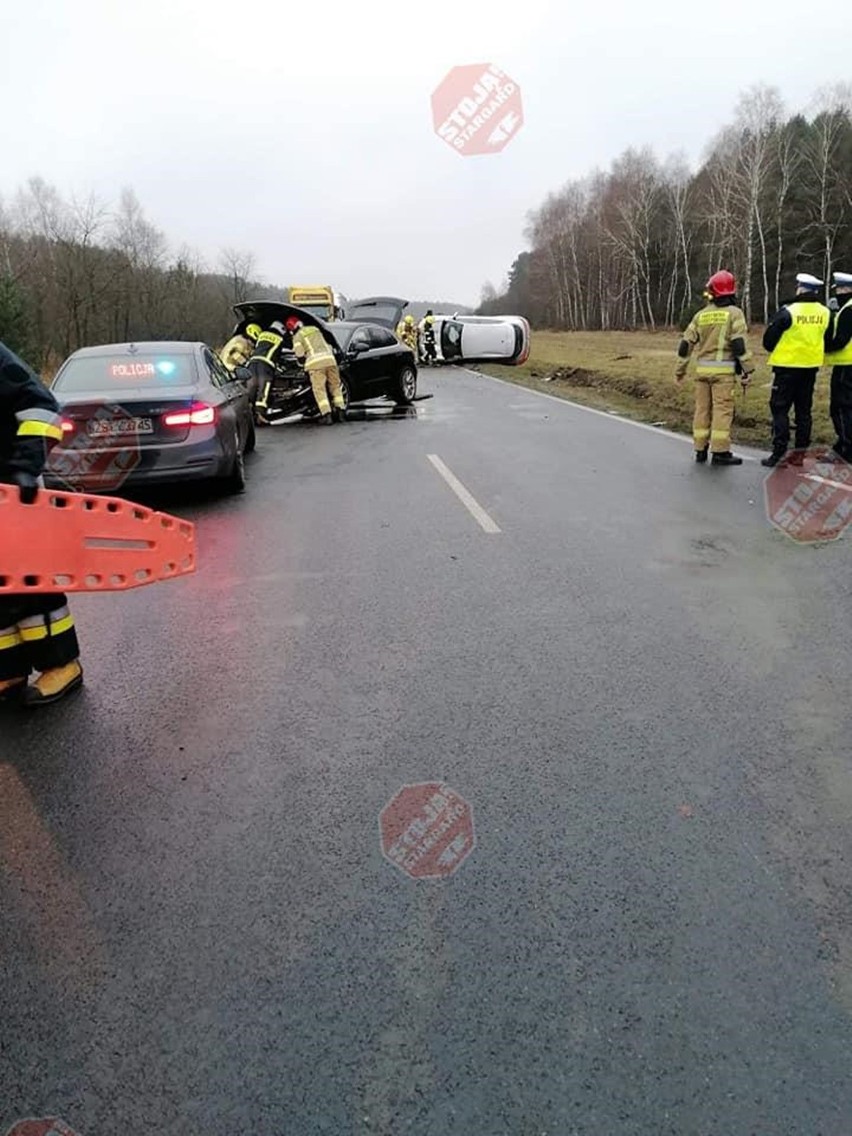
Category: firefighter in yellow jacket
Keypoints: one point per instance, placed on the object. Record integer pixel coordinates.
(796, 338)
(406, 332)
(718, 335)
(317, 357)
(240, 347)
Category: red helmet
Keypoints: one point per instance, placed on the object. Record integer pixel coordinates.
(292, 322)
(722, 284)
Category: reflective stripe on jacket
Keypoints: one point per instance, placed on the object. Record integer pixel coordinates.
(803, 342)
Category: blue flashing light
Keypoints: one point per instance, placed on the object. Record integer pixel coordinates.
(166, 367)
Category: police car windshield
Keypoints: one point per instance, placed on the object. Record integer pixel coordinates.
(114, 373)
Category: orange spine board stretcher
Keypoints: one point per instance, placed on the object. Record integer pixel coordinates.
(76, 542)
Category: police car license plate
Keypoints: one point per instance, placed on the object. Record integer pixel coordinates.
(112, 427)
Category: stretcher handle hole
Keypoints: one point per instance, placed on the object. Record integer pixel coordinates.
(113, 506)
(93, 581)
(63, 580)
(117, 579)
(31, 581)
(59, 502)
(143, 574)
(89, 504)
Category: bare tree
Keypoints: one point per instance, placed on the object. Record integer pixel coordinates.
(238, 266)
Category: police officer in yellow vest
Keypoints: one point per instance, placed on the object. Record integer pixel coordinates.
(839, 355)
(317, 357)
(796, 339)
(718, 335)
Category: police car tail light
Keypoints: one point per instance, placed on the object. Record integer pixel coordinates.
(67, 426)
(199, 414)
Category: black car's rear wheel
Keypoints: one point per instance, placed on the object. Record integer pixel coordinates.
(404, 389)
(235, 481)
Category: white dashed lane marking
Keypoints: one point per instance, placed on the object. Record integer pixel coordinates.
(465, 496)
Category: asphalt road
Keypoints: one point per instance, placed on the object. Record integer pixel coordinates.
(641, 688)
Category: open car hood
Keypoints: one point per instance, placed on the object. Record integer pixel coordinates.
(266, 312)
(386, 311)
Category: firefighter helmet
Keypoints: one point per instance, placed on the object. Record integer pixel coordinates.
(722, 284)
(292, 322)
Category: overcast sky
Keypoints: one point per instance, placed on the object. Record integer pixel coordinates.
(304, 132)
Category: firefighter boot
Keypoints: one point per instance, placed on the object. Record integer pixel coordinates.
(773, 459)
(53, 684)
(701, 455)
(326, 420)
(339, 414)
(726, 458)
(11, 689)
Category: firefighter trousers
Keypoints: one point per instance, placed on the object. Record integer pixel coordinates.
(326, 381)
(841, 409)
(714, 412)
(36, 634)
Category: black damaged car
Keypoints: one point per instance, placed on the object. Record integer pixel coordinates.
(372, 361)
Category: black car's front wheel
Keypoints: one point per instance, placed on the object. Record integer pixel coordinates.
(404, 389)
(344, 390)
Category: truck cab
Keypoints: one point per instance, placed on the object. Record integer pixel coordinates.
(319, 299)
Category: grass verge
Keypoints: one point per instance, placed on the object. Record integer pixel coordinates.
(632, 373)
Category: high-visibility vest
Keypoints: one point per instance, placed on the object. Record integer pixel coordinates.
(803, 343)
(843, 357)
(310, 345)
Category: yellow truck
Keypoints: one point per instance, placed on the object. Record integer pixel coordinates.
(318, 299)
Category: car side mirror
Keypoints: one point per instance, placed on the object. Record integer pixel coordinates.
(357, 348)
